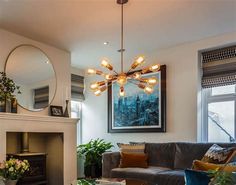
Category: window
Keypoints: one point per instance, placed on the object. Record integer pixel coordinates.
(219, 116)
(76, 112)
(76, 109)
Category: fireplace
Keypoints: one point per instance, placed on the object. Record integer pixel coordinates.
(39, 149)
(37, 173)
(54, 136)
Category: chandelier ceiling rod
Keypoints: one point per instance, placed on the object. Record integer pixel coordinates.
(122, 50)
(122, 38)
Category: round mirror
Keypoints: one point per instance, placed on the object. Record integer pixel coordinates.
(32, 70)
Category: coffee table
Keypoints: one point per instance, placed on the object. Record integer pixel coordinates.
(111, 181)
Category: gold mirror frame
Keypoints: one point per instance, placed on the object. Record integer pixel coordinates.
(55, 91)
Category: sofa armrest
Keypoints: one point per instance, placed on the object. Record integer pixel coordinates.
(110, 160)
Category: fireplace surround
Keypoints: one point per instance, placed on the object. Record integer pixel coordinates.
(11, 123)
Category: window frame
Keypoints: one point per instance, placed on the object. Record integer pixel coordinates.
(207, 98)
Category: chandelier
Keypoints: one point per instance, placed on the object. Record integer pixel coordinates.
(135, 77)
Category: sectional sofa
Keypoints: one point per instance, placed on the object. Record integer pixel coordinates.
(166, 162)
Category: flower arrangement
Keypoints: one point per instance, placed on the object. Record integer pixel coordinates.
(7, 87)
(13, 169)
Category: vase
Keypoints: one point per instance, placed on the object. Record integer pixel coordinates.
(10, 182)
(13, 105)
(66, 113)
(8, 105)
(2, 106)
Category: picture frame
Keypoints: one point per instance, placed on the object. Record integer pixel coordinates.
(56, 111)
(139, 112)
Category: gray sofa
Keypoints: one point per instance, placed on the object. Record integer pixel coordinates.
(166, 162)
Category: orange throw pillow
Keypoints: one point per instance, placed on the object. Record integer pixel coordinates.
(204, 166)
(138, 160)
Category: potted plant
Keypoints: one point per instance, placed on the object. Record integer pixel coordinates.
(12, 170)
(7, 90)
(221, 177)
(92, 152)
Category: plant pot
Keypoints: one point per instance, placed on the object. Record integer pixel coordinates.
(2, 106)
(93, 171)
(10, 182)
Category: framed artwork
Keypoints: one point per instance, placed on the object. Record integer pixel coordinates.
(56, 111)
(137, 111)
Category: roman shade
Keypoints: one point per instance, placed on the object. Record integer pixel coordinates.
(219, 67)
(77, 87)
(41, 97)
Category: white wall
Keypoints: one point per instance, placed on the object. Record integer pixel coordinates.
(182, 92)
(60, 60)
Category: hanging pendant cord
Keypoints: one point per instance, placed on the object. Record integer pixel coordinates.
(122, 39)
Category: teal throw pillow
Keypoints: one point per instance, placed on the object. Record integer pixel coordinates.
(193, 177)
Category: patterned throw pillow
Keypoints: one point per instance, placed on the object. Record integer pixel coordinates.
(131, 148)
(218, 155)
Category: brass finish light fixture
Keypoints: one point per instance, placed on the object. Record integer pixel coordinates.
(122, 78)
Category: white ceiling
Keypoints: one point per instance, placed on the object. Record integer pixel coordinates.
(81, 26)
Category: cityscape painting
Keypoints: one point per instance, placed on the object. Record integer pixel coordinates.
(138, 111)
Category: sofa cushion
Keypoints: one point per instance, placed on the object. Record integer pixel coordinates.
(131, 148)
(147, 174)
(204, 166)
(133, 160)
(161, 154)
(186, 153)
(172, 177)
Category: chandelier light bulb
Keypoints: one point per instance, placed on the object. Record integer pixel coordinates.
(91, 71)
(148, 90)
(122, 79)
(140, 59)
(94, 71)
(137, 62)
(109, 77)
(141, 86)
(98, 92)
(154, 68)
(152, 81)
(106, 64)
(94, 86)
(137, 75)
(122, 91)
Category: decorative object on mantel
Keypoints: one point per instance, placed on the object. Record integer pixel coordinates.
(7, 90)
(136, 78)
(56, 111)
(66, 112)
(138, 112)
(12, 170)
(13, 105)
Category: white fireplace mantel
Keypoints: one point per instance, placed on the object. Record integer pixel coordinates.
(44, 124)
